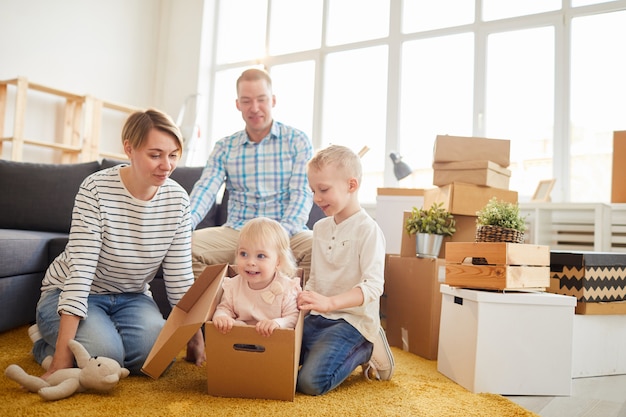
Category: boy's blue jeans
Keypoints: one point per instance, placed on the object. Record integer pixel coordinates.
(118, 326)
(331, 350)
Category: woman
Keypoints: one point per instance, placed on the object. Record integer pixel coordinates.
(127, 221)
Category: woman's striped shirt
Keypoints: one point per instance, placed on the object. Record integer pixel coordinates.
(117, 243)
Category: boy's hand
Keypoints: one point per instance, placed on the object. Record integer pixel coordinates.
(309, 300)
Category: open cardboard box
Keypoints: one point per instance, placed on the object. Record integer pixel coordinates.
(239, 364)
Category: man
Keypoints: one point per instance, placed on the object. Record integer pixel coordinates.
(264, 169)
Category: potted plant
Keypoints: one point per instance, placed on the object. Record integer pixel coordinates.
(430, 226)
(500, 221)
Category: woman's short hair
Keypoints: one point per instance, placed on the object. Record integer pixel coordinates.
(139, 124)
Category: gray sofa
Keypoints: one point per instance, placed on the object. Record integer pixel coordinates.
(35, 212)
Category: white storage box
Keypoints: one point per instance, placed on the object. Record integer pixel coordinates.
(599, 346)
(506, 343)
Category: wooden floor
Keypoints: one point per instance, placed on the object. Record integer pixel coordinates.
(603, 396)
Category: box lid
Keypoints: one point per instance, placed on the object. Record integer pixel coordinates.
(459, 148)
(580, 259)
(185, 319)
(534, 298)
(470, 165)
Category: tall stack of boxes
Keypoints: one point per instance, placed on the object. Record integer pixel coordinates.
(468, 172)
(500, 332)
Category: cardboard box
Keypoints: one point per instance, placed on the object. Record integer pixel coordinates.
(413, 304)
(239, 364)
(498, 266)
(486, 173)
(618, 184)
(599, 345)
(391, 203)
(244, 364)
(506, 343)
(591, 277)
(460, 148)
(465, 232)
(466, 199)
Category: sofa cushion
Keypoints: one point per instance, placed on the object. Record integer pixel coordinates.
(40, 196)
(24, 251)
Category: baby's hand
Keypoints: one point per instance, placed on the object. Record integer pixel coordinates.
(266, 327)
(223, 323)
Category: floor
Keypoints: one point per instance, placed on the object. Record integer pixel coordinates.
(603, 396)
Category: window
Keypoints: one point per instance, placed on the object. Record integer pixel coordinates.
(394, 74)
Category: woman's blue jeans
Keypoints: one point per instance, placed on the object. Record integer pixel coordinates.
(119, 326)
(331, 350)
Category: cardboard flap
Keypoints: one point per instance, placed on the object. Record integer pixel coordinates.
(186, 318)
(203, 282)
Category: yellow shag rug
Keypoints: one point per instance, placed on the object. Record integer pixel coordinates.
(417, 389)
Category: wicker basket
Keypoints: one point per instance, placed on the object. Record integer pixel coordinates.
(488, 233)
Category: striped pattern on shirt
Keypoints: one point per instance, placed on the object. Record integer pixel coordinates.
(263, 179)
(117, 243)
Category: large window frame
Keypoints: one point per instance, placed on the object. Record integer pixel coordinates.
(560, 20)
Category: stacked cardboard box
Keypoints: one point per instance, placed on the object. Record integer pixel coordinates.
(464, 168)
(479, 161)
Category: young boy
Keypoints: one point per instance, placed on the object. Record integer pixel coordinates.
(343, 291)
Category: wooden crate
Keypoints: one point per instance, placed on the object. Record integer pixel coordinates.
(497, 266)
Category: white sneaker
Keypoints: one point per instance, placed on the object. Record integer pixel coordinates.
(33, 333)
(381, 364)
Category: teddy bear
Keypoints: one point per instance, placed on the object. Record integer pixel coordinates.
(93, 373)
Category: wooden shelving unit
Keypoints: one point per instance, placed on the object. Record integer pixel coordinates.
(80, 138)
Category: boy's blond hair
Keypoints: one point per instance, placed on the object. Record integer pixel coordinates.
(341, 157)
(268, 232)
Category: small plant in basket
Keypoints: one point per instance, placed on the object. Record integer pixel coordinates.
(500, 221)
(434, 221)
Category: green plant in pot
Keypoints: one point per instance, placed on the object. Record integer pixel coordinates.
(430, 226)
(500, 221)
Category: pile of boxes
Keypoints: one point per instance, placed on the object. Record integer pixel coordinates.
(411, 305)
(483, 305)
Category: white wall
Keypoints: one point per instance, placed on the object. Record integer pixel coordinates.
(144, 53)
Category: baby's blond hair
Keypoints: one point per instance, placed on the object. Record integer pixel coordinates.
(265, 231)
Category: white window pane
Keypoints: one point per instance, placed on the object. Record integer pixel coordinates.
(501, 9)
(355, 109)
(436, 99)
(357, 20)
(295, 25)
(520, 102)
(293, 86)
(421, 15)
(241, 30)
(226, 119)
(597, 102)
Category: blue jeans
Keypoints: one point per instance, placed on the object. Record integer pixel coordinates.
(331, 350)
(118, 326)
